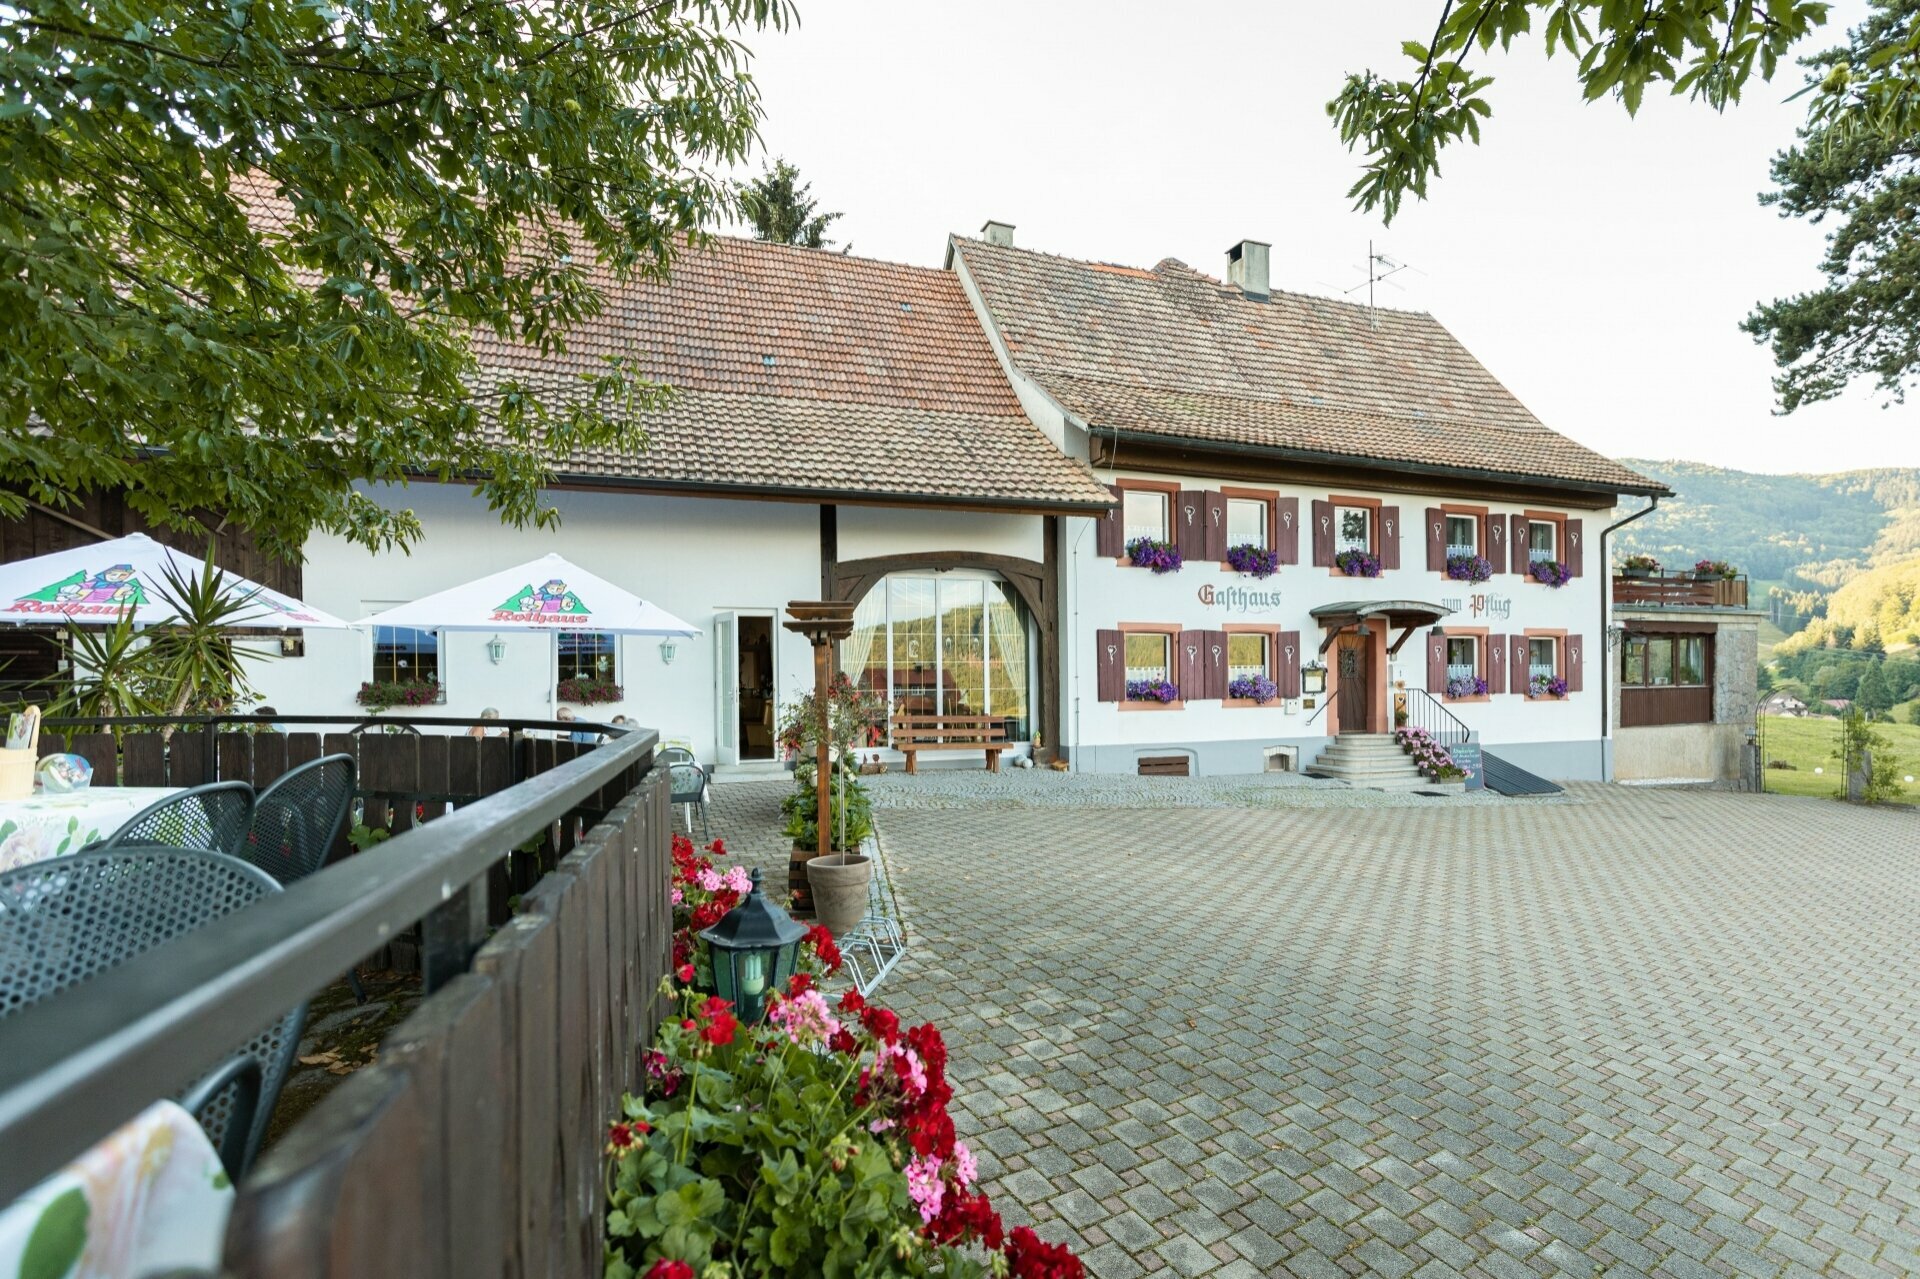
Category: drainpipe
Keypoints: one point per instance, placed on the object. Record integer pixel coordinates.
(1606, 661)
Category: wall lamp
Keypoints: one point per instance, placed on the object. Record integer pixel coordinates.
(496, 649)
(668, 647)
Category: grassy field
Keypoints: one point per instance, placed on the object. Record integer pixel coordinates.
(1807, 744)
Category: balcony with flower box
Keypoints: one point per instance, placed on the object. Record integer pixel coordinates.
(1685, 588)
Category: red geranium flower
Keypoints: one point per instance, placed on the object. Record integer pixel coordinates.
(842, 1041)
(881, 1024)
(851, 1002)
(823, 945)
(717, 1013)
(966, 1217)
(800, 983)
(1031, 1257)
(664, 1269)
(685, 973)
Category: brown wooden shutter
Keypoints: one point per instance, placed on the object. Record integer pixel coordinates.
(1493, 662)
(1191, 664)
(1216, 517)
(1575, 549)
(1436, 662)
(1517, 544)
(1389, 537)
(1436, 540)
(1190, 524)
(1323, 534)
(1286, 663)
(1110, 533)
(1286, 520)
(1110, 665)
(1215, 658)
(1517, 669)
(1576, 660)
(1493, 535)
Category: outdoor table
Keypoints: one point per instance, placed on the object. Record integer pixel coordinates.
(33, 830)
(150, 1198)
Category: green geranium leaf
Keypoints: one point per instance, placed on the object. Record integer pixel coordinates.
(58, 1238)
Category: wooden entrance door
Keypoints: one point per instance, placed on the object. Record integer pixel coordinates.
(1355, 689)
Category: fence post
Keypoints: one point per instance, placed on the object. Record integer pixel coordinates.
(451, 933)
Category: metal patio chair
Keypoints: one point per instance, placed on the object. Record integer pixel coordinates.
(295, 819)
(689, 783)
(213, 818)
(67, 919)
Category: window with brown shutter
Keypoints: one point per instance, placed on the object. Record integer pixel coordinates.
(1496, 548)
(1322, 534)
(1436, 530)
(1110, 665)
(1546, 542)
(1153, 650)
(1215, 540)
(1517, 542)
(1109, 535)
(1190, 524)
(1287, 663)
(1457, 530)
(1546, 654)
(1517, 666)
(1576, 551)
(1573, 657)
(1493, 655)
(1436, 663)
(1389, 540)
(1286, 529)
(1251, 650)
(1148, 508)
(1351, 523)
(1248, 518)
(1464, 652)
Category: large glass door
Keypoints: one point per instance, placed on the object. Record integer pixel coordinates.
(957, 644)
(726, 687)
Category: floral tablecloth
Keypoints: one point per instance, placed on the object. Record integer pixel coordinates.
(33, 830)
(152, 1197)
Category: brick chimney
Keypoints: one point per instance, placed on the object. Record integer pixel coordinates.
(1000, 233)
(1247, 268)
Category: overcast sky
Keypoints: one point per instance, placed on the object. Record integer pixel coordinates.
(1598, 265)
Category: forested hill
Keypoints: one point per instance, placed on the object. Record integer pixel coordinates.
(1808, 531)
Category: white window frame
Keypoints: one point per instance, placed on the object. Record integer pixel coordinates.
(1551, 667)
(1550, 555)
(613, 656)
(1469, 547)
(1129, 530)
(1266, 655)
(1264, 519)
(1463, 670)
(1127, 668)
(368, 607)
(1340, 541)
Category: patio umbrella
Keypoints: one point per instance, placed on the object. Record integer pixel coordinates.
(100, 583)
(548, 594)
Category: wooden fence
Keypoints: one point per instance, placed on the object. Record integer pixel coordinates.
(1680, 590)
(473, 1146)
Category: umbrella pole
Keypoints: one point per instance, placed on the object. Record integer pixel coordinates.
(553, 682)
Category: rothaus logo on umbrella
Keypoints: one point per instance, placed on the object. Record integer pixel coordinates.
(107, 593)
(551, 601)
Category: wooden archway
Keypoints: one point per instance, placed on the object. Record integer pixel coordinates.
(1037, 585)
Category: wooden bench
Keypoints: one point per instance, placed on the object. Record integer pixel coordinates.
(915, 733)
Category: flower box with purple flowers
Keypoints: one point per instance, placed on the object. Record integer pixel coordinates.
(1152, 690)
(1467, 686)
(1147, 552)
(1469, 568)
(1357, 563)
(1257, 689)
(1547, 686)
(380, 695)
(1552, 572)
(1257, 560)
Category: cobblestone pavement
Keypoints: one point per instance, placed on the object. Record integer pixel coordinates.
(1642, 1033)
(1043, 788)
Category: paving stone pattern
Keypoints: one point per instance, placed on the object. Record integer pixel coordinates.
(1642, 1033)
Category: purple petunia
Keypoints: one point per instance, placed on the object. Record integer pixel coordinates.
(1152, 690)
(1257, 560)
(1147, 552)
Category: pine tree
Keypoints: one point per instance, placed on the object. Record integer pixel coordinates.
(781, 208)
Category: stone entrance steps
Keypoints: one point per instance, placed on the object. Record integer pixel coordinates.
(1372, 761)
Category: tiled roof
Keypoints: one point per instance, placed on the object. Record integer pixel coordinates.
(804, 370)
(1175, 353)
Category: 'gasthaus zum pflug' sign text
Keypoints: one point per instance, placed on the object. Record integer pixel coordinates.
(1239, 599)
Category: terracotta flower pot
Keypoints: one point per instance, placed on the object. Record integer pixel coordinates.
(839, 882)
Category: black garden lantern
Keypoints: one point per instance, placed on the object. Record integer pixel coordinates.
(753, 948)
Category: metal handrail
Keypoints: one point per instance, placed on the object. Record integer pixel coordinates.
(76, 1067)
(1426, 711)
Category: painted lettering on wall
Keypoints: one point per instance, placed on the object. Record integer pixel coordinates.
(1238, 599)
(1483, 605)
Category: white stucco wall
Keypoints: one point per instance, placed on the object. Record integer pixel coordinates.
(693, 557)
(1561, 736)
(868, 531)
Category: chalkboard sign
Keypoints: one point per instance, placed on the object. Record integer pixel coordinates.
(1467, 756)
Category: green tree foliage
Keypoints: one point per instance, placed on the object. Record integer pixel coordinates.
(1706, 49)
(245, 250)
(782, 208)
(1871, 694)
(1877, 609)
(1860, 746)
(1864, 322)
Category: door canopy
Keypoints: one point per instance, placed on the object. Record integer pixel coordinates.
(1404, 615)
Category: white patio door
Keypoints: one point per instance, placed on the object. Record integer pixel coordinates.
(726, 686)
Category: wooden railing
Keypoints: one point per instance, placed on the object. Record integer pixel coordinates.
(472, 1146)
(1680, 590)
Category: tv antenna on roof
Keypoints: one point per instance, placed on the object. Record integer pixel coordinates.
(1380, 270)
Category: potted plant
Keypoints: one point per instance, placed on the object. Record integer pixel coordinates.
(1256, 560)
(1355, 562)
(381, 695)
(1469, 568)
(1639, 566)
(1466, 686)
(828, 876)
(589, 690)
(1547, 686)
(1152, 553)
(1257, 689)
